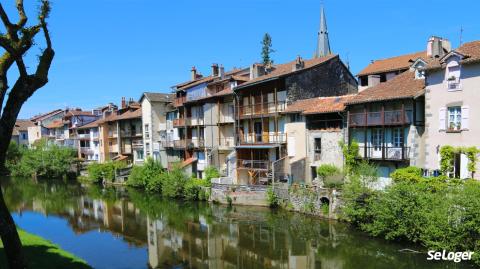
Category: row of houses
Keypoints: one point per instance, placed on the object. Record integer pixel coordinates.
(279, 122)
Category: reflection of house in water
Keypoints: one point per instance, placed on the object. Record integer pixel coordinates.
(240, 239)
(121, 218)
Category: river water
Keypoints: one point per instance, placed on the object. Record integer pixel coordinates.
(122, 228)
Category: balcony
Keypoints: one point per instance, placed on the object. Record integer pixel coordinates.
(86, 150)
(137, 144)
(112, 134)
(194, 121)
(60, 136)
(83, 136)
(180, 122)
(253, 164)
(385, 153)
(167, 143)
(226, 118)
(393, 117)
(262, 109)
(129, 133)
(179, 143)
(113, 148)
(263, 138)
(227, 142)
(196, 143)
(179, 101)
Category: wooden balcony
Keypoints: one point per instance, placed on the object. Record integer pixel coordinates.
(263, 138)
(179, 122)
(167, 143)
(226, 142)
(260, 109)
(385, 118)
(253, 164)
(179, 143)
(179, 101)
(385, 153)
(195, 143)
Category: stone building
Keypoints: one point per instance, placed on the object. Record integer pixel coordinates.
(260, 111)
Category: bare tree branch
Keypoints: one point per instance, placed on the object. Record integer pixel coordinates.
(21, 13)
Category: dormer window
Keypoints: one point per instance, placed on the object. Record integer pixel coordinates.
(453, 74)
(419, 73)
(419, 67)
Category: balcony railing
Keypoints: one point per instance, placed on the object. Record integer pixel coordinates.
(137, 144)
(113, 148)
(263, 138)
(179, 122)
(226, 118)
(262, 108)
(83, 136)
(179, 143)
(167, 143)
(112, 134)
(227, 142)
(393, 117)
(385, 153)
(86, 150)
(253, 164)
(196, 143)
(129, 133)
(194, 121)
(179, 101)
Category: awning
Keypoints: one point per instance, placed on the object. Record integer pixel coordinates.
(267, 146)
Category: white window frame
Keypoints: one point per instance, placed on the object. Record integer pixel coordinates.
(397, 137)
(454, 116)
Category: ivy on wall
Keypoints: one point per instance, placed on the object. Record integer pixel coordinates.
(447, 158)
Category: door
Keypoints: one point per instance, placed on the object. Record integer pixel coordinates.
(257, 128)
(376, 143)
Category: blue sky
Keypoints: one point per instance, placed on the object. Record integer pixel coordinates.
(107, 49)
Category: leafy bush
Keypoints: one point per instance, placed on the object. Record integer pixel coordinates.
(272, 198)
(173, 183)
(44, 160)
(350, 154)
(326, 170)
(437, 212)
(97, 172)
(195, 189)
(409, 174)
(14, 155)
(331, 175)
(148, 174)
(211, 172)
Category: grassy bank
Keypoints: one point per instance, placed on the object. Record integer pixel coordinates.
(41, 253)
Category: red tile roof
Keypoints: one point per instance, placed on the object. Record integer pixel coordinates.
(55, 124)
(281, 70)
(470, 51)
(22, 125)
(319, 105)
(402, 86)
(397, 63)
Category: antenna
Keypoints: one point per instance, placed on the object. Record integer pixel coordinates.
(461, 35)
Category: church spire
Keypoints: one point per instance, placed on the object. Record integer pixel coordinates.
(323, 44)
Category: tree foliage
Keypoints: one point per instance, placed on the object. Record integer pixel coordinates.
(267, 49)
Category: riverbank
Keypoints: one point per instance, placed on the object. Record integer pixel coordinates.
(41, 253)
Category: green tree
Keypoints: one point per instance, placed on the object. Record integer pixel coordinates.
(267, 49)
(15, 42)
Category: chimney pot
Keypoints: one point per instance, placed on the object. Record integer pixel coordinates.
(194, 73)
(124, 104)
(215, 70)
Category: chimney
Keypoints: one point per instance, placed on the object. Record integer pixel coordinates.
(215, 70)
(194, 73)
(299, 64)
(124, 104)
(437, 47)
(221, 71)
(256, 70)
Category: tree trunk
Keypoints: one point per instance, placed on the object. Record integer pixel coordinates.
(10, 238)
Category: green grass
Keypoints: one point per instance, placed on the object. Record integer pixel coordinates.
(41, 253)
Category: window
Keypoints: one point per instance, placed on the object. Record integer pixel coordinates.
(377, 138)
(24, 136)
(295, 118)
(397, 137)
(454, 118)
(383, 77)
(452, 75)
(364, 81)
(146, 128)
(317, 149)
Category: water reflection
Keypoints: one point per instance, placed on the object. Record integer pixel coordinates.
(199, 235)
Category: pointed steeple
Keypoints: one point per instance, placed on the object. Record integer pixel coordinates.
(323, 44)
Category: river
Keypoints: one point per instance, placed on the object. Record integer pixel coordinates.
(122, 228)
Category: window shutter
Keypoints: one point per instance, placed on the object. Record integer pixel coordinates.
(465, 112)
(442, 121)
